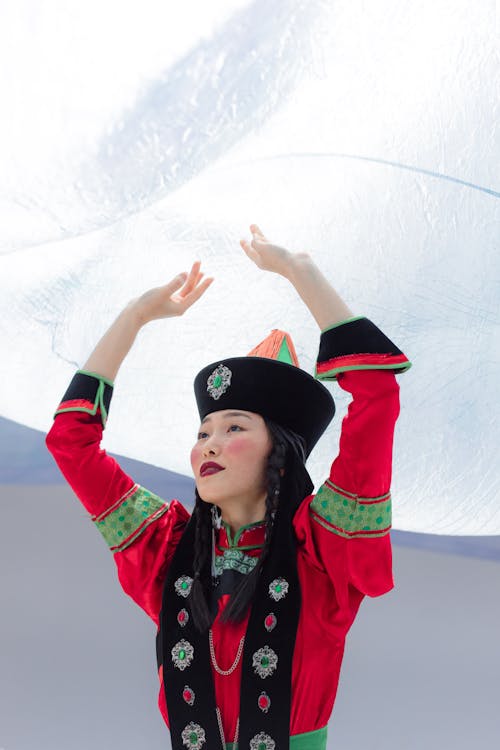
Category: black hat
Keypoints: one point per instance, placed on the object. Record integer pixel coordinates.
(269, 382)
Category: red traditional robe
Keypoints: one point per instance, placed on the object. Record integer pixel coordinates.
(343, 550)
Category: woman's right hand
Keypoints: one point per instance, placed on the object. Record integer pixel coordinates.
(172, 299)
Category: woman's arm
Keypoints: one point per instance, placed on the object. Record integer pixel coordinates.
(116, 343)
(140, 528)
(76, 433)
(344, 528)
(324, 303)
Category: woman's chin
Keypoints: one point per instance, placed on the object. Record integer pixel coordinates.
(207, 497)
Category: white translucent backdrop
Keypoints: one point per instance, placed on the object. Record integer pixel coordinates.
(139, 137)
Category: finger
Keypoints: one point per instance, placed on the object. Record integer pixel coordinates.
(255, 229)
(194, 276)
(197, 290)
(252, 254)
(177, 282)
(247, 247)
(194, 269)
(191, 283)
(196, 293)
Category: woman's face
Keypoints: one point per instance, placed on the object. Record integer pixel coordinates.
(240, 442)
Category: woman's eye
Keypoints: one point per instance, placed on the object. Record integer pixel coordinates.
(200, 434)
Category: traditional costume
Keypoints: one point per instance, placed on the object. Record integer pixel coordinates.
(269, 682)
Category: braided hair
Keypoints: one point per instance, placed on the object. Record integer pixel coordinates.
(288, 453)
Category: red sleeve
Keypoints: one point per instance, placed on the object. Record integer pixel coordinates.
(344, 529)
(140, 529)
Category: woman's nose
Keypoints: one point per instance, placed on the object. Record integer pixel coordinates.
(210, 446)
(210, 452)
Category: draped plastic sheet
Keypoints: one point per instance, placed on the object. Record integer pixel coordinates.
(142, 137)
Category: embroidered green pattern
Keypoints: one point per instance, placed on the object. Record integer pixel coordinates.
(121, 524)
(234, 559)
(350, 515)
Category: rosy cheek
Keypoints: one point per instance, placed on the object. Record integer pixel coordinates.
(195, 456)
(238, 445)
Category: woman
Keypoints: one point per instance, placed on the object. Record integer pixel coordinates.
(254, 593)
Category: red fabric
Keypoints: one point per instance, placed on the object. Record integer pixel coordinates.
(356, 360)
(75, 403)
(335, 572)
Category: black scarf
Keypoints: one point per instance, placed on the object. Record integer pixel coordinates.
(264, 727)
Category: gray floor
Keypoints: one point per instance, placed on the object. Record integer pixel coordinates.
(78, 669)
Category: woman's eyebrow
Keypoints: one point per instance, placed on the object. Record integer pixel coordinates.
(230, 414)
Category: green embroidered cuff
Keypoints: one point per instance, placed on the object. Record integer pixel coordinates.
(88, 392)
(349, 515)
(124, 521)
(357, 344)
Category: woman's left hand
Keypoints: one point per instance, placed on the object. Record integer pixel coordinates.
(267, 256)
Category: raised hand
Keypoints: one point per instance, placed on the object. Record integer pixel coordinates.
(266, 255)
(174, 298)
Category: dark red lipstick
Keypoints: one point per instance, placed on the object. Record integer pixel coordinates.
(210, 467)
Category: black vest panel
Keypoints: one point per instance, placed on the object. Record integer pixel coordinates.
(266, 659)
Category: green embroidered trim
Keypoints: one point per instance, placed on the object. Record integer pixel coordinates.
(100, 394)
(96, 375)
(234, 559)
(349, 515)
(121, 524)
(234, 542)
(332, 374)
(348, 320)
(99, 399)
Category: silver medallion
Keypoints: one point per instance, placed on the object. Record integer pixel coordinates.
(182, 654)
(261, 741)
(183, 586)
(278, 589)
(219, 381)
(193, 736)
(188, 694)
(264, 661)
(183, 617)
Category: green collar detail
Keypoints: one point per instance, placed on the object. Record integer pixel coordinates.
(234, 542)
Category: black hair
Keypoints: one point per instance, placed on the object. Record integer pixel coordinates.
(288, 453)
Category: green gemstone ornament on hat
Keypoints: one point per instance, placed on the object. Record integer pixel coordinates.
(219, 381)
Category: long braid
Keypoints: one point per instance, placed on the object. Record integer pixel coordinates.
(202, 573)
